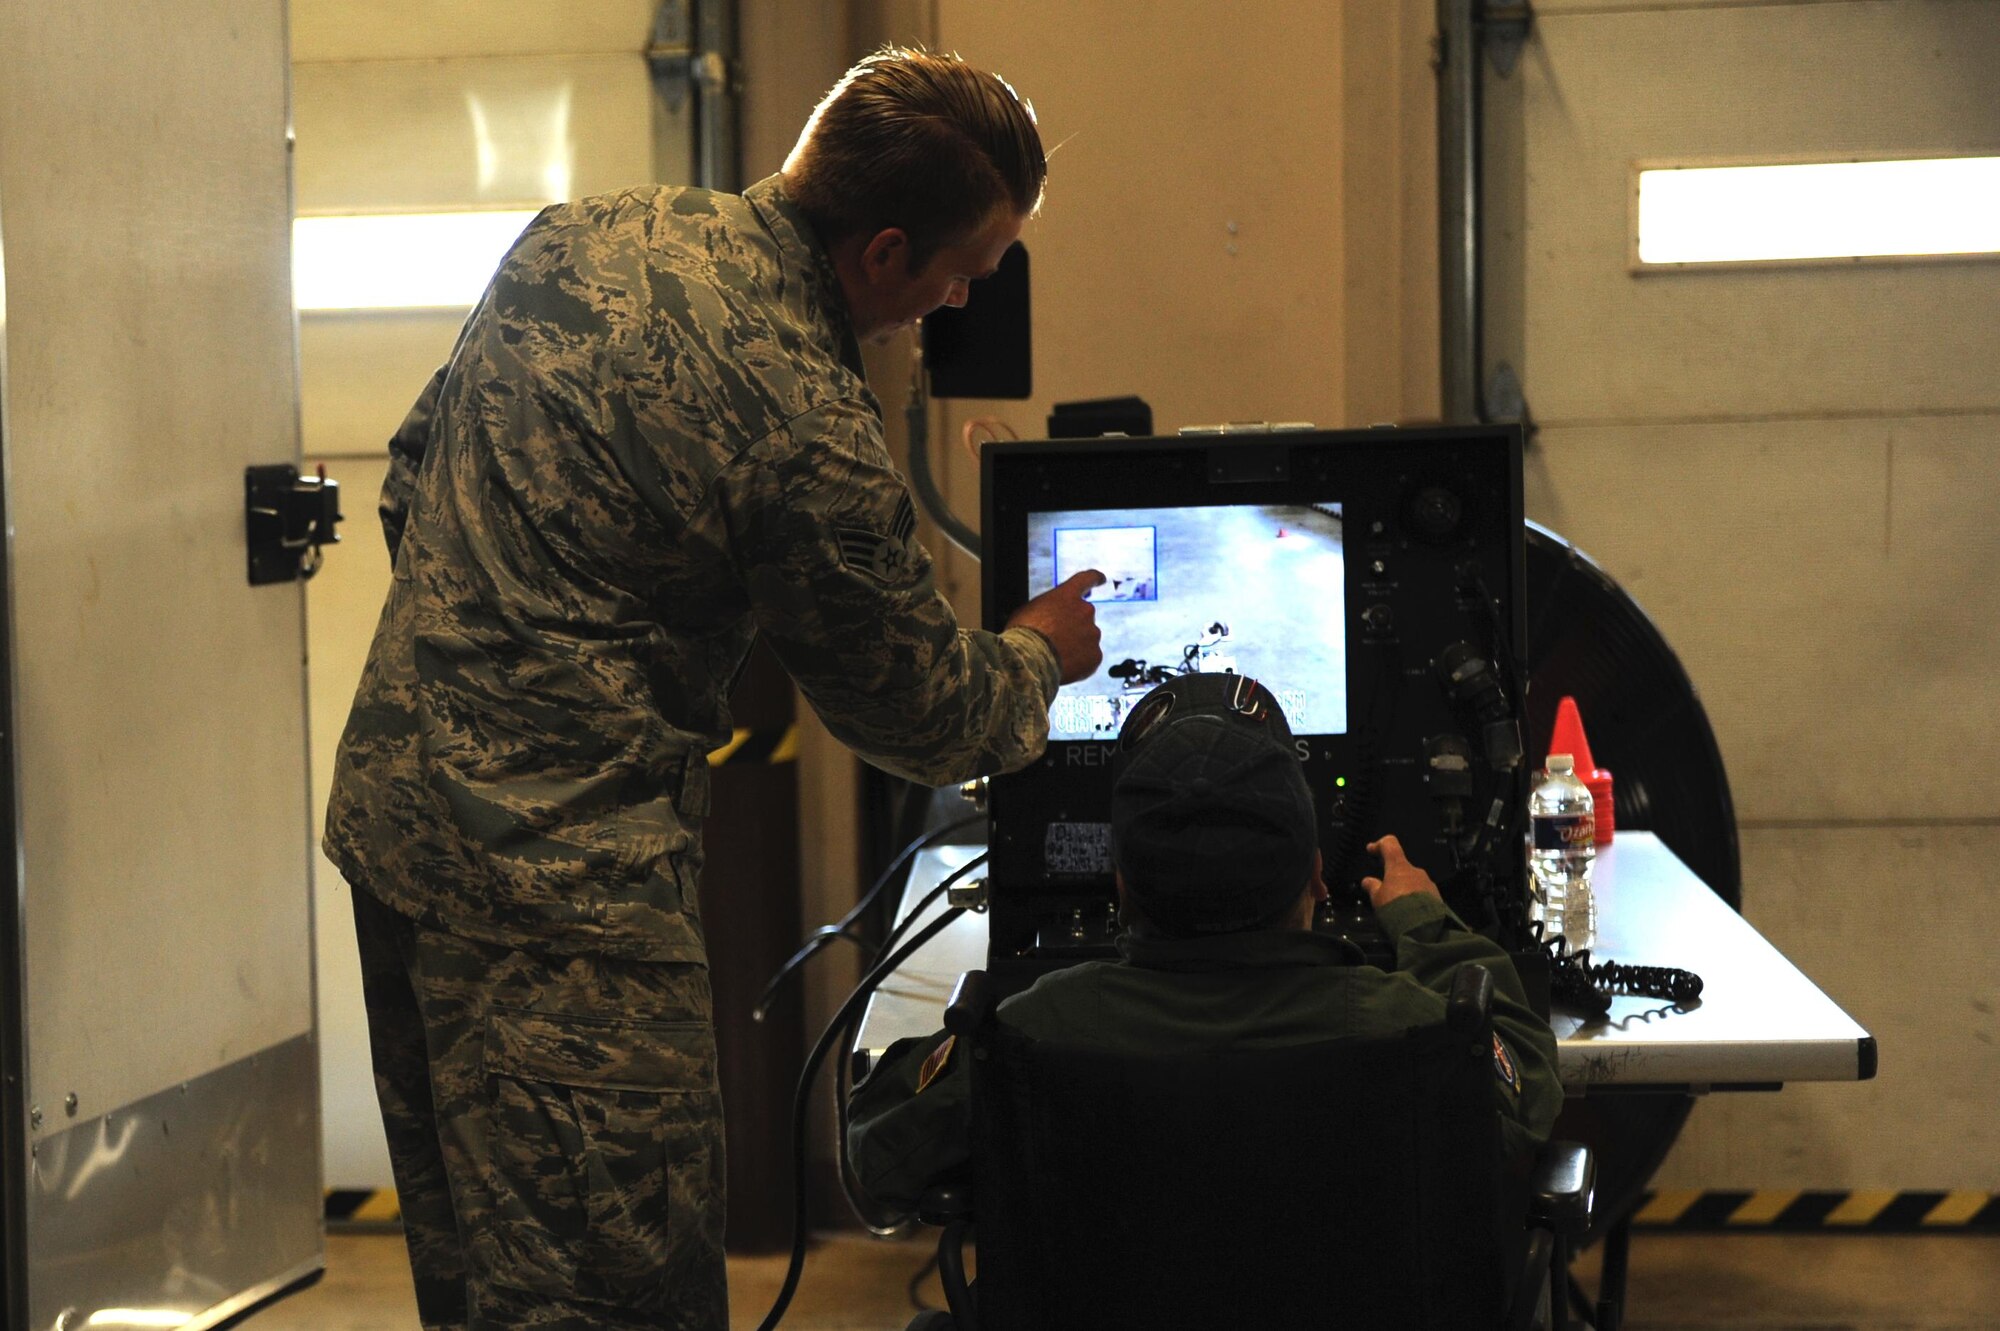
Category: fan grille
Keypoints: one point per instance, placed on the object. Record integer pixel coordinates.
(1589, 640)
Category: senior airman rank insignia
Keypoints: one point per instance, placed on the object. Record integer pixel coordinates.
(935, 1064)
(884, 558)
(1503, 1065)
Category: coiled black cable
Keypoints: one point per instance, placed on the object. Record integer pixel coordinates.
(836, 1032)
(1587, 986)
(1669, 982)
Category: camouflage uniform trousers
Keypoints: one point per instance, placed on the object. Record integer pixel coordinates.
(555, 1128)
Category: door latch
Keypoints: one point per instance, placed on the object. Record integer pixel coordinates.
(288, 518)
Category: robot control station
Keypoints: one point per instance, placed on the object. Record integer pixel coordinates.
(1372, 580)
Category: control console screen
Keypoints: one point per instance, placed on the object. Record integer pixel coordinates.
(1250, 589)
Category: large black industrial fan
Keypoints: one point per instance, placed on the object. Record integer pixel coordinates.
(1589, 640)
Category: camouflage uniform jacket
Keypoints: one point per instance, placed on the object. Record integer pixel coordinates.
(909, 1122)
(652, 441)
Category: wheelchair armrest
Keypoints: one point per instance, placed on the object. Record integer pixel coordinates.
(1562, 1189)
(944, 1203)
(1469, 1010)
(971, 1003)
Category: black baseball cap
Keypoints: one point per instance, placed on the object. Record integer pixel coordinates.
(1212, 823)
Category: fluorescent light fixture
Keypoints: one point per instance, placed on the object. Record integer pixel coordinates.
(399, 260)
(1819, 210)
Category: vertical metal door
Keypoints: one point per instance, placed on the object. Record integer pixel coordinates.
(161, 1133)
(1791, 468)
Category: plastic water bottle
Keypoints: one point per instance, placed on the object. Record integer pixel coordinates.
(1561, 848)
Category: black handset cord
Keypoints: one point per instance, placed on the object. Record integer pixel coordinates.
(1588, 986)
(836, 1031)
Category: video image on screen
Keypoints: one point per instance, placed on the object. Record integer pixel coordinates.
(1252, 589)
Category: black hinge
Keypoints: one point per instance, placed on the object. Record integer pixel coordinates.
(1505, 27)
(287, 518)
(1504, 402)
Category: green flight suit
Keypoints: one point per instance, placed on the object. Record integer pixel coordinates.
(651, 443)
(1266, 988)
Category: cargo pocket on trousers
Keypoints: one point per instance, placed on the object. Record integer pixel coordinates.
(604, 1161)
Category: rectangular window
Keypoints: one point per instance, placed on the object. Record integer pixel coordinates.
(1818, 210)
(399, 260)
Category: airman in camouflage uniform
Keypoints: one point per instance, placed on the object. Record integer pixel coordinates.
(651, 443)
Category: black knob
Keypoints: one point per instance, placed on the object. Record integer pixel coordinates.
(1435, 513)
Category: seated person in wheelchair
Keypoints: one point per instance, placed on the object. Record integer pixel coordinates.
(1218, 874)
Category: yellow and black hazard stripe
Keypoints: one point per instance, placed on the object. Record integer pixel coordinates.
(1686, 1211)
(362, 1206)
(1881, 1211)
(779, 745)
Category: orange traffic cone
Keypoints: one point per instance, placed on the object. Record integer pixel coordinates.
(1569, 738)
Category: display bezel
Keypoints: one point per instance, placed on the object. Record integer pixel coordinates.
(1371, 475)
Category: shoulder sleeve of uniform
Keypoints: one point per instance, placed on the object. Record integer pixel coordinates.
(823, 535)
(909, 1123)
(1431, 944)
(406, 458)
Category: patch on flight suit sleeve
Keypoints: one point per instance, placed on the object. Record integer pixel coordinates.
(1503, 1065)
(935, 1064)
(886, 559)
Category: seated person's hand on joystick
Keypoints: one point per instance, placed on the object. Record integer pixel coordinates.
(1400, 878)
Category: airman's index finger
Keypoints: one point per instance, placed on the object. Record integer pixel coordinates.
(1084, 581)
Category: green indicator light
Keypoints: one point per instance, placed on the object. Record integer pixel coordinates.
(1341, 782)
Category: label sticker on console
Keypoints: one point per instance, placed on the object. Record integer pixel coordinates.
(1077, 848)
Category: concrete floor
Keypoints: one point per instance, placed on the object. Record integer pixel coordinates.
(1679, 1282)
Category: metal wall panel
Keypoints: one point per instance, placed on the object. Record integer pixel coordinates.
(414, 135)
(359, 372)
(1899, 923)
(1791, 470)
(1599, 92)
(1828, 585)
(434, 29)
(410, 135)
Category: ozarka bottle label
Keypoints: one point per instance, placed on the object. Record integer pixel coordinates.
(1576, 831)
